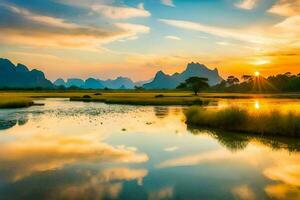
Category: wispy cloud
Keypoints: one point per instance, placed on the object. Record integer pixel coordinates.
(168, 3)
(223, 43)
(246, 4)
(286, 8)
(221, 32)
(172, 37)
(133, 29)
(171, 149)
(121, 12)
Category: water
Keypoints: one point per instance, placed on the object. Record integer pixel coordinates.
(75, 150)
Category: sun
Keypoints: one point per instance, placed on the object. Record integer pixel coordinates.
(257, 74)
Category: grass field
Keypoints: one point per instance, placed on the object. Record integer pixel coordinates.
(132, 98)
(22, 98)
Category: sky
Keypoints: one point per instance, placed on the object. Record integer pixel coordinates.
(136, 38)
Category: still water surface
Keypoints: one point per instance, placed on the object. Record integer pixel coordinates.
(75, 150)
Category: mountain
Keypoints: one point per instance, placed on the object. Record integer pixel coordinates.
(59, 82)
(20, 76)
(164, 81)
(75, 82)
(92, 83)
(119, 83)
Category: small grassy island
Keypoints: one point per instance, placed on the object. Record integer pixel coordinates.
(241, 120)
(16, 102)
(143, 99)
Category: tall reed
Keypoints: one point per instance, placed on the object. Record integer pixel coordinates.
(241, 120)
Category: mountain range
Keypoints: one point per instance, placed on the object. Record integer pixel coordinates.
(20, 76)
(92, 83)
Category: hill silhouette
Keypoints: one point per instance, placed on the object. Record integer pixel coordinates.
(164, 81)
(20, 76)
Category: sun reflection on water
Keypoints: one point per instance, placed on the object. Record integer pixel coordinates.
(257, 105)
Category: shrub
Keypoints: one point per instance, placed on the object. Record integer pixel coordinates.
(241, 120)
(159, 96)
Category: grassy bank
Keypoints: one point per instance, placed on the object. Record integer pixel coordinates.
(132, 97)
(143, 99)
(15, 102)
(241, 120)
(112, 97)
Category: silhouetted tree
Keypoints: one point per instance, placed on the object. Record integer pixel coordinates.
(195, 84)
(286, 82)
(232, 80)
(138, 88)
(247, 78)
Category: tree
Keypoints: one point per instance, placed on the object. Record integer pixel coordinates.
(232, 80)
(138, 88)
(195, 84)
(247, 78)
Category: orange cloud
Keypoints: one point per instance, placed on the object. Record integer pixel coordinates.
(286, 8)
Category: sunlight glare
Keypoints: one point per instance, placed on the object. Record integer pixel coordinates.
(257, 73)
(257, 105)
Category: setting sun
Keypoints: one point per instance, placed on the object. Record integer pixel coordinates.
(257, 73)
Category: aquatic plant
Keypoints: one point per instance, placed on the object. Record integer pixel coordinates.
(241, 120)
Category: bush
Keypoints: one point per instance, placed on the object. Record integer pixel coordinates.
(159, 96)
(241, 120)
(87, 96)
(97, 94)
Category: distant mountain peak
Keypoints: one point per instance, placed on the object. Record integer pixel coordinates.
(160, 73)
(163, 81)
(195, 66)
(21, 68)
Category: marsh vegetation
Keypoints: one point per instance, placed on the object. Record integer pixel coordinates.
(273, 122)
(15, 102)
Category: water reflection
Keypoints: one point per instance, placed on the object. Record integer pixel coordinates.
(19, 159)
(71, 150)
(9, 122)
(239, 141)
(161, 111)
(106, 184)
(257, 105)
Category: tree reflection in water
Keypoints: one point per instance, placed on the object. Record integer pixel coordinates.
(239, 141)
(161, 111)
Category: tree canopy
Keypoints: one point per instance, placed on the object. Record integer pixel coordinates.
(195, 84)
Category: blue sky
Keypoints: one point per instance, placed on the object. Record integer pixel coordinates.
(136, 38)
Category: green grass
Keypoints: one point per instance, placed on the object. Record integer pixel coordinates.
(15, 102)
(143, 100)
(241, 120)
